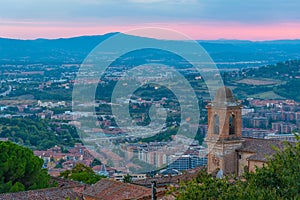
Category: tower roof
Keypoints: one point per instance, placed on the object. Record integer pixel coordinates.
(224, 95)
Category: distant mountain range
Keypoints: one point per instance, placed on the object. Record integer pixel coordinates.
(226, 53)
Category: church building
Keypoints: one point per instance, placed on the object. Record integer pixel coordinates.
(227, 149)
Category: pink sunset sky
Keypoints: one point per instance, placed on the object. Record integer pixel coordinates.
(194, 31)
(198, 19)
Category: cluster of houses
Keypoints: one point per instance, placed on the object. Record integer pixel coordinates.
(276, 119)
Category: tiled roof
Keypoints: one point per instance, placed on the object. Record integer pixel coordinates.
(167, 180)
(39, 153)
(97, 168)
(107, 189)
(44, 194)
(62, 182)
(65, 188)
(262, 148)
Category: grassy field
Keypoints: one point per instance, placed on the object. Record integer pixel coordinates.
(266, 95)
(259, 81)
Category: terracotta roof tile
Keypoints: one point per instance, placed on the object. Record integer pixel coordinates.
(65, 188)
(167, 180)
(107, 189)
(262, 148)
(44, 194)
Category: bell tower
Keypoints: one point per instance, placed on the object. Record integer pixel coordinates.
(224, 134)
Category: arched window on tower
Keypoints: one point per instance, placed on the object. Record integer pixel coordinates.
(216, 124)
(231, 125)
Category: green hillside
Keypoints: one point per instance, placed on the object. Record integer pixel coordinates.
(280, 81)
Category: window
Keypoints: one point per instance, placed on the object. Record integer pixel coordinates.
(232, 125)
(216, 124)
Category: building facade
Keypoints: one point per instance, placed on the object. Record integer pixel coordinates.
(224, 132)
(227, 149)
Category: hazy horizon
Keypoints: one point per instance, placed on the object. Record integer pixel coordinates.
(95, 35)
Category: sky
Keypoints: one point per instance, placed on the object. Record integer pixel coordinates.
(198, 19)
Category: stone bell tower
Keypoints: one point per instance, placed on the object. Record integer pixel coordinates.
(224, 134)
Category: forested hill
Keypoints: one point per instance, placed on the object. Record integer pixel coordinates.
(269, 82)
(48, 51)
(226, 53)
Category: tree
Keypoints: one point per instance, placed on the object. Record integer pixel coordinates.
(20, 170)
(96, 162)
(59, 164)
(278, 179)
(38, 133)
(127, 178)
(281, 174)
(207, 187)
(82, 173)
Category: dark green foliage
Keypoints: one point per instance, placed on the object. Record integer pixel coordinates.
(59, 164)
(279, 179)
(207, 187)
(284, 74)
(59, 94)
(289, 90)
(162, 136)
(83, 174)
(127, 178)
(281, 175)
(282, 70)
(37, 133)
(20, 170)
(96, 162)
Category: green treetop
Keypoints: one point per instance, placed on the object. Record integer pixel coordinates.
(82, 173)
(20, 170)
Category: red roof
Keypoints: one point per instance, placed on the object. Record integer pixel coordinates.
(107, 189)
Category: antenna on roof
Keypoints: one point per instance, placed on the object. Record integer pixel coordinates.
(153, 186)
